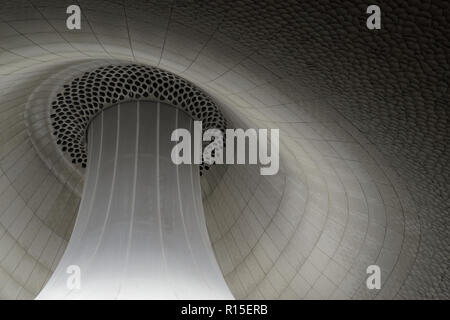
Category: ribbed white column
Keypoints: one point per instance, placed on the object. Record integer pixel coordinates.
(140, 232)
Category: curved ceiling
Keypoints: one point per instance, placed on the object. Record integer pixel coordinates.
(364, 130)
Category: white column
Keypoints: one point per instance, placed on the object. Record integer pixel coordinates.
(140, 232)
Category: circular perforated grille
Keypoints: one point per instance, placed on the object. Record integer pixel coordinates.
(84, 97)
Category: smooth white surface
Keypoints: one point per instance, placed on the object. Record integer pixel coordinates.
(140, 231)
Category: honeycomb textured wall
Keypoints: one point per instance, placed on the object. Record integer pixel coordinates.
(364, 130)
(83, 98)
